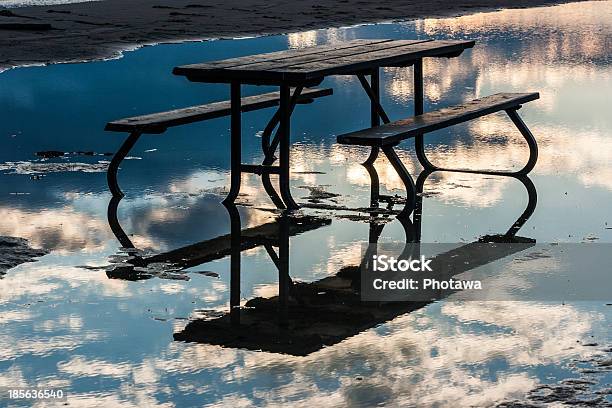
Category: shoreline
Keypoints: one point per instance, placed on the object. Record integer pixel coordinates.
(106, 29)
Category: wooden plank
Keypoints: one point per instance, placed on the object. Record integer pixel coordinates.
(159, 122)
(276, 64)
(394, 132)
(409, 52)
(315, 70)
(275, 56)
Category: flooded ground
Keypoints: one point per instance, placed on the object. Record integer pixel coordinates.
(70, 321)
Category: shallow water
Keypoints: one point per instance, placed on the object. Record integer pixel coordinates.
(110, 341)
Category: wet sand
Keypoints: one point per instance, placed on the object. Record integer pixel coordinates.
(95, 30)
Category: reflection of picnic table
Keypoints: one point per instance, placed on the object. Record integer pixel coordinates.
(268, 235)
(330, 310)
(306, 317)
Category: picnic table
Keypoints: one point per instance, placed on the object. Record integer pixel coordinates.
(294, 70)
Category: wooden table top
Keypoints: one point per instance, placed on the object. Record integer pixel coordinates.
(308, 66)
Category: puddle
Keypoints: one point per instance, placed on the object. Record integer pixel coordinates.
(159, 265)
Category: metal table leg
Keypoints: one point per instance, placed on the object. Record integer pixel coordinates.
(236, 142)
(377, 113)
(374, 121)
(269, 147)
(236, 246)
(284, 280)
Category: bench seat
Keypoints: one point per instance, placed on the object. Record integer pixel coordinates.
(156, 123)
(389, 135)
(393, 133)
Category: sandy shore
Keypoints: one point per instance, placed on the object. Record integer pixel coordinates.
(76, 32)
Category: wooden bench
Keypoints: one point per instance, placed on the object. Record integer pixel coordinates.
(157, 123)
(389, 135)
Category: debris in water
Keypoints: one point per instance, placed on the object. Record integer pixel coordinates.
(49, 154)
(590, 237)
(582, 392)
(318, 193)
(52, 154)
(15, 251)
(26, 167)
(208, 273)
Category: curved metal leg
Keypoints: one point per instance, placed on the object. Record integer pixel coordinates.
(269, 148)
(285, 148)
(531, 141)
(411, 248)
(113, 222)
(113, 167)
(521, 126)
(126, 272)
(406, 180)
(265, 137)
(418, 207)
(529, 210)
(516, 226)
(419, 147)
(372, 157)
(374, 179)
(269, 188)
(269, 159)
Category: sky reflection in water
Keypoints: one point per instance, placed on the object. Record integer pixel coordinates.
(110, 341)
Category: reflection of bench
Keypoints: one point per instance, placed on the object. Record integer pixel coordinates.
(268, 235)
(389, 135)
(157, 123)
